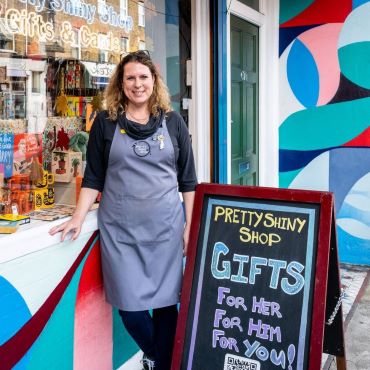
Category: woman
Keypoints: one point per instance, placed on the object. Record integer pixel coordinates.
(139, 155)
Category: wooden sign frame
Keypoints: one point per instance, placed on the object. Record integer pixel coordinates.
(326, 247)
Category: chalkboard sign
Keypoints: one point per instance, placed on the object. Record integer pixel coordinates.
(255, 282)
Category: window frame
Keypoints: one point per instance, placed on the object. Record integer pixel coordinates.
(141, 14)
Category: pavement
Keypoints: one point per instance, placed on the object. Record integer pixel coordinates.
(355, 281)
(356, 313)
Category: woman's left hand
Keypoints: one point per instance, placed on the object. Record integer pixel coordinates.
(186, 239)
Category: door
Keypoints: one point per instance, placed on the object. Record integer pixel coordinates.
(244, 102)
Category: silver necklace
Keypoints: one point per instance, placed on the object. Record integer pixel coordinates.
(136, 119)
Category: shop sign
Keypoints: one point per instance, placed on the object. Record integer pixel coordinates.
(99, 69)
(84, 10)
(32, 25)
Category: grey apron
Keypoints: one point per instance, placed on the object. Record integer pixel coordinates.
(141, 223)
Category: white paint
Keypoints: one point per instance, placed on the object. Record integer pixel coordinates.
(267, 19)
(35, 236)
(308, 178)
(354, 227)
(199, 107)
(358, 201)
(356, 27)
(133, 363)
(42, 271)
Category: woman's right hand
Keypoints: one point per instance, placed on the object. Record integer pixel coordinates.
(73, 225)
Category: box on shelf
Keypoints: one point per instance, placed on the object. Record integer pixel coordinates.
(44, 198)
(47, 180)
(66, 165)
(67, 193)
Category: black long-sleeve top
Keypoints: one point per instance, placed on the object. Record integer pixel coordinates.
(100, 141)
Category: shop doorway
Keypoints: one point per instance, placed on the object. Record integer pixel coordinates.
(244, 63)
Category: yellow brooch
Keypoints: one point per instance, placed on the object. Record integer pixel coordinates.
(123, 131)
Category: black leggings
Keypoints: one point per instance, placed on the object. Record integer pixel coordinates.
(154, 336)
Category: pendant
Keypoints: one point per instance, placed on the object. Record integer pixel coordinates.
(161, 141)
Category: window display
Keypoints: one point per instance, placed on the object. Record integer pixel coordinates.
(56, 58)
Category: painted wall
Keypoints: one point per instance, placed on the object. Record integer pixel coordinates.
(53, 314)
(325, 111)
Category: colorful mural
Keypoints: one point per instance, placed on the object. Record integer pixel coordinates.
(325, 111)
(53, 311)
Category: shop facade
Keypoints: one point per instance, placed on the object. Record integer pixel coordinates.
(273, 94)
(291, 104)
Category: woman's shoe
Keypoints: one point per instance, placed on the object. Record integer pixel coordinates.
(148, 364)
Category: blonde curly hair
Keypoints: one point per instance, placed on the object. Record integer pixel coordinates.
(115, 99)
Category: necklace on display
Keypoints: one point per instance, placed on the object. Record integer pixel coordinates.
(136, 119)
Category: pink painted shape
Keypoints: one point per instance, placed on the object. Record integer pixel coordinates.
(93, 343)
(322, 42)
(93, 329)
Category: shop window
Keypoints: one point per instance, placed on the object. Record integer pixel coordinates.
(141, 14)
(6, 37)
(75, 46)
(254, 4)
(103, 44)
(125, 48)
(36, 82)
(65, 102)
(123, 8)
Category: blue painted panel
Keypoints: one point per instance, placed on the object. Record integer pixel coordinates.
(303, 75)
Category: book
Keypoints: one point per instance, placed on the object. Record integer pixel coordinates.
(20, 218)
(8, 227)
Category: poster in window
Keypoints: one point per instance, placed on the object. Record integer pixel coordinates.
(6, 153)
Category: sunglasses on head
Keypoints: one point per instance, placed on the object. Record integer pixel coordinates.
(139, 53)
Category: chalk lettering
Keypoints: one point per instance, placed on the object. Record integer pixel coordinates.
(220, 248)
(294, 269)
(218, 338)
(236, 216)
(255, 270)
(242, 259)
(231, 301)
(263, 354)
(264, 331)
(256, 237)
(251, 348)
(227, 322)
(278, 359)
(221, 269)
(276, 265)
(255, 218)
(266, 308)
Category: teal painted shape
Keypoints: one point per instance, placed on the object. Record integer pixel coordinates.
(54, 347)
(326, 126)
(354, 60)
(289, 9)
(123, 345)
(286, 178)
